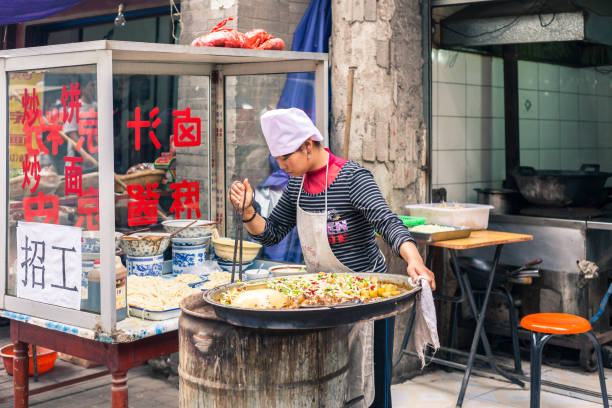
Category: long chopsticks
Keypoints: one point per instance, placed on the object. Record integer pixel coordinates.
(238, 234)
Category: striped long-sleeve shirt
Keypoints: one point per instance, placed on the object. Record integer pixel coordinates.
(355, 208)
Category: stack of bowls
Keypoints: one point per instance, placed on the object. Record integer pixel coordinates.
(190, 246)
(145, 252)
(224, 249)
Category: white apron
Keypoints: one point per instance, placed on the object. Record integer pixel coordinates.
(312, 230)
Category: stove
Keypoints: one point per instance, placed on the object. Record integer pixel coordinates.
(569, 213)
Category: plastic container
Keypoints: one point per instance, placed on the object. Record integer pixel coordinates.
(474, 216)
(45, 358)
(412, 221)
(120, 287)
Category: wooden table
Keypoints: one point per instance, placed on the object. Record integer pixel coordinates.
(119, 352)
(477, 239)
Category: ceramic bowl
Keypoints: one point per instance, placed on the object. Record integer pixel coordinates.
(224, 248)
(202, 228)
(145, 265)
(287, 270)
(178, 241)
(187, 258)
(145, 243)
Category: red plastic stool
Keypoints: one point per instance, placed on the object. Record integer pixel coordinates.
(545, 325)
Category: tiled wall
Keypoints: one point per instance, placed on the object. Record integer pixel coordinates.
(565, 120)
(569, 120)
(468, 123)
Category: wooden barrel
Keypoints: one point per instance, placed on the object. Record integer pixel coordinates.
(221, 365)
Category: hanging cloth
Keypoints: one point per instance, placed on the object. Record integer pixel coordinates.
(19, 11)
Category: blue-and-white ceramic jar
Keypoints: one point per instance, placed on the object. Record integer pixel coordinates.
(145, 265)
(187, 258)
(86, 266)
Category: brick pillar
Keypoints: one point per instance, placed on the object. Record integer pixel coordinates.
(383, 40)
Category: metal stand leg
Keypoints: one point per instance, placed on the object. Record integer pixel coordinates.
(537, 345)
(479, 333)
(518, 367)
(602, 378)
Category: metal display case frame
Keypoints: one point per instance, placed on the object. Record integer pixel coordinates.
(117, 57)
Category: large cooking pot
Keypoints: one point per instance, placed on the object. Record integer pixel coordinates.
(562, 188)
(315, 317)
(504, 200)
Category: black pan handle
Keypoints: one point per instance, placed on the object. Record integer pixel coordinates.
(593, 167)
(526, 171)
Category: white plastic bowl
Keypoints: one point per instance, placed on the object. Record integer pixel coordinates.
(474, 216)
(287, 270)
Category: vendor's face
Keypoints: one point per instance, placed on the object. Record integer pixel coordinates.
(296, 163)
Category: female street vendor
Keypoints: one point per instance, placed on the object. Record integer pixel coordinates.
(336, 206)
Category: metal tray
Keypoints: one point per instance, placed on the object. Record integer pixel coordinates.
(315, 317)
(154, 314)
(456, 233)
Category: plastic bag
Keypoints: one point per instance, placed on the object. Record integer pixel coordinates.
(273, 44)
(256, 37)
(221, 37)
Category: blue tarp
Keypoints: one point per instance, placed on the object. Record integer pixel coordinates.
(18, 11)
(311, 35)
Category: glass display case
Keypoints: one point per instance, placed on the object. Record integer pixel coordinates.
(104, 137)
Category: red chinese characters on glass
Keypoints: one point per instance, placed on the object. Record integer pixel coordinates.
(143, 209)
(71, 102)
(41, 206)
(138, 124)
(187, 130)
(88, 126)
(73, 176)
(31, 168)
(36, 131)
(186, 197)
(88, 208)
(50, 124)
(31, 107)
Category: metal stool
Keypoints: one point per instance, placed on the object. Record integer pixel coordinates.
(545, 325)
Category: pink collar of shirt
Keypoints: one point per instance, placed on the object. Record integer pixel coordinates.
(314, 181)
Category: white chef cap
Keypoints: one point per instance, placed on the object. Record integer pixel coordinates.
(286, 129)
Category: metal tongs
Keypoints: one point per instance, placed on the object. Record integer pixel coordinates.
(238, 234)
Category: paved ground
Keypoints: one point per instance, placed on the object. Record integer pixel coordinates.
(150, 389)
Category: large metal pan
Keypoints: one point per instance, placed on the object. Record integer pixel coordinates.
(559, 188)
(314, 317)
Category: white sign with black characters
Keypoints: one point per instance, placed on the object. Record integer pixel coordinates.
(49, 264)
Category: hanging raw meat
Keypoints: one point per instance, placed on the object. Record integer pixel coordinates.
(221, 37)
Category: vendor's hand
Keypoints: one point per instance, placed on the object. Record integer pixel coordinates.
(237, 192)
(416, 266)
(416, 269)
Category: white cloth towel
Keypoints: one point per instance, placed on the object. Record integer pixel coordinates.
(425, 331)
